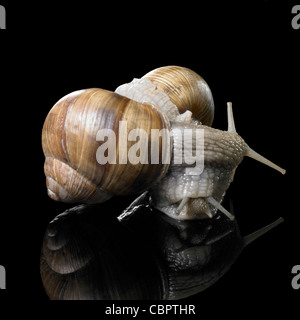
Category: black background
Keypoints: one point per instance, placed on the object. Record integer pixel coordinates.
(248, 54)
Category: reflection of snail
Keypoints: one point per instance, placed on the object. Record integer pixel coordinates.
(141, 254)
(171, 98)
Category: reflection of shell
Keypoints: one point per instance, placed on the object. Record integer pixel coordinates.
(87, 257)
(143, 255)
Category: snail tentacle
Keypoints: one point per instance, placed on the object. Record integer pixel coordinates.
(256, 234)
(250, 152)
(218, 206)
(230, 119)
(183, 202)
(256, 156)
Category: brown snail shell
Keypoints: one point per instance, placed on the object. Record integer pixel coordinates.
(187, 90)
(70, 146)
(171, 86)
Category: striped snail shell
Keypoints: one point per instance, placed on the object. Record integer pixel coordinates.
(70, 146)
(174, 90)
(89, 253)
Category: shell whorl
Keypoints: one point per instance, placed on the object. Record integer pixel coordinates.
(175, 90)
(70, 146)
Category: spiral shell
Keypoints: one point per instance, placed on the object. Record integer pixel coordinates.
(70, 145)
(175, 90)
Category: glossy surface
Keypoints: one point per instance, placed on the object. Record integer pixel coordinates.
(139, 254)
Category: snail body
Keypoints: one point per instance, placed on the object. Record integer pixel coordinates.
(170, 99)
(89, 253)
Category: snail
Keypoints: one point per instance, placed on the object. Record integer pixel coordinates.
(89, 135)
(90, 253)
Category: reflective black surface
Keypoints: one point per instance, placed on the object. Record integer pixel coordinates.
(138, 254)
